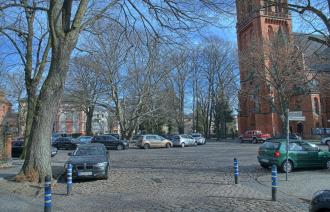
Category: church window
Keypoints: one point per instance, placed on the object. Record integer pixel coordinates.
(316, 106)
(270, 33)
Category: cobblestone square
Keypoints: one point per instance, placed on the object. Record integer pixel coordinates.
(184, 179)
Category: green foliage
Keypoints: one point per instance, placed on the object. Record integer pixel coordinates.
(223, 117)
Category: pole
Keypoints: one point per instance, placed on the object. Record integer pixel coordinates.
(274, 182)
(69, 179)
(48, 194)
(236, 170)
(287, 144)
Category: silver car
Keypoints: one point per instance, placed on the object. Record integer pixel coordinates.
(325, 140)
(199, 138)
(183, 140)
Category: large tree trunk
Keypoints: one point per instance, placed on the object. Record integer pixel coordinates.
(89, 120)
(37, 162)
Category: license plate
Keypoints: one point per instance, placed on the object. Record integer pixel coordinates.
(85, 173)
(264, 160)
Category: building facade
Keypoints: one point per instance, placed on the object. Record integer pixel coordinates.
(70, 119)
(258, 21)
(5, 107)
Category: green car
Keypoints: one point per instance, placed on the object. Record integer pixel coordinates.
(302, 154)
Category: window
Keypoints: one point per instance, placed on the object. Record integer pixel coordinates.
(308, 147)
(298, 104)
(270, 33)
(278, 7)
(295, 147)
(150, 137)
(316, 106)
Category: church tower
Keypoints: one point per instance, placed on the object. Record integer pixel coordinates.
(258, 21)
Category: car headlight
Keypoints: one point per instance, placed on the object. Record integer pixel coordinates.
(103, 164)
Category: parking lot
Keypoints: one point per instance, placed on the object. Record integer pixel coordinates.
(184, 179)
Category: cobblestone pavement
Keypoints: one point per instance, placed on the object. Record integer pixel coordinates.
(178, 179)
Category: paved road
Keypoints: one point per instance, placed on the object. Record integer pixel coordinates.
(179, 179)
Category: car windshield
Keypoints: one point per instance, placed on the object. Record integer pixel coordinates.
(85, 139)
(196, 135)
(89, 150)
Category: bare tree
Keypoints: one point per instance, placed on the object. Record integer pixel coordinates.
(84, 87)
(180, 77)
(277, 75)
(66, 19)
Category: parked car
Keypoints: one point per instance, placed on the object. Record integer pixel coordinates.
(153, 141)
(184, 140)
(116, 135)
(254, 136)
(55, 136)
(89, 161)
(199, 138)
(320, 201)
(110, 142)
(302, 154)
(84, 139)
(53, 151)
(325, 140)
(18, 146)
(65, 143)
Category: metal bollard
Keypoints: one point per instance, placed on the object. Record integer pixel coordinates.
(69, 179)
(274, 182)
(48, 194)
(236, 170)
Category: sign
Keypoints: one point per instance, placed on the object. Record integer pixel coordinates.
(296, 116)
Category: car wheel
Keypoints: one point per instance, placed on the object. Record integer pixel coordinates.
(168, 145)
(106, 176)
(289, 166)
(182, 145)
(254, 141)
(266, 166)
(328, 164)
(120, 147)
(327, 142)
(146, 146)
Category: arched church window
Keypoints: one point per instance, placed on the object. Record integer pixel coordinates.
(62, 123)
(75, 121)
(270, 33)
(316, 106)
(278, 6)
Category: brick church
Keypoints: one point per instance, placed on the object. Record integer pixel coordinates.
(257, 20)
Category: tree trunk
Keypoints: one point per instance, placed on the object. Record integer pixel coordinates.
(31, 103)
(89, 120)
(37, 162)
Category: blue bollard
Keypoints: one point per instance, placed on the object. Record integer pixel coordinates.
(236, 170)
(274, 182)
(69, 179)
(48, 194)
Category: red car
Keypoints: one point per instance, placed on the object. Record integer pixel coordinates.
(254, 136)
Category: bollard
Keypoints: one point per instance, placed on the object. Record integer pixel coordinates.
(48, 194)
(69, 179)
(274, 182)
(236, 170)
